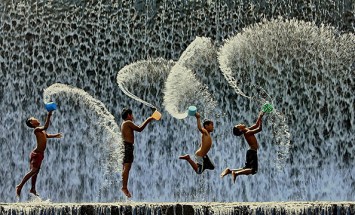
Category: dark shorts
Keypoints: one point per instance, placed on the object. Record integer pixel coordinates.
(203, 163)
(128, 156)
(252, 161)
(36, 159)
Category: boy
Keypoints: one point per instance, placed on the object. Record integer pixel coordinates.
(127, 130)
(202, 160)
(37, 154)
(251, 165)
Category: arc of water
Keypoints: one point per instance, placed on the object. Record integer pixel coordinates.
(183, 85)
(126, 91)
(106, 119)
(176, 94)
(226, 52)
(231, 53)
(157, 68)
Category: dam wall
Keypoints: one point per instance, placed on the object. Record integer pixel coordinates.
(183, 208)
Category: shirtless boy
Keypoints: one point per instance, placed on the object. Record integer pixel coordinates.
(127, 129)
(37, 154)
(202, 160)
(251, 165)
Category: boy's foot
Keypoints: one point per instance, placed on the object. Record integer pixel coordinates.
(18, 191)
(234, 176)
(33, 191)
(225, 172)
(126, 192)
(185, 157)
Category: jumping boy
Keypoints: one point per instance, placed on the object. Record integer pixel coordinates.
(202, 160)
(37, 154)
(251, 165)
(127, 129)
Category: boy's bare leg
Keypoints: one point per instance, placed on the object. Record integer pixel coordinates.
(24, 180)
(240, 172)
(191, 162)
(237, 169)
(33, 188)
(226, 172)
(234, 176)
(125, 175)
(18, 191)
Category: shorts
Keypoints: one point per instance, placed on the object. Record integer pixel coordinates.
(203, 163)
(252, 161)
(36, 159)
(128, 156)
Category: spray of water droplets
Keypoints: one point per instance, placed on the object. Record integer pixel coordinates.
(143, 75)
(239, 57)
(184, 86)
(107, 135)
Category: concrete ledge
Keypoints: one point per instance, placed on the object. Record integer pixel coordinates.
(183, 208)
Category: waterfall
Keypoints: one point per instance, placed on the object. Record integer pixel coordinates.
(300, 53)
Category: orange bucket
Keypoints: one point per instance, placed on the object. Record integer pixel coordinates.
(156, 115)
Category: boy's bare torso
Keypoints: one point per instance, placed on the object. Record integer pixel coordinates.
(127, 132)
(205, 145)
(251, 140)
(41, 137)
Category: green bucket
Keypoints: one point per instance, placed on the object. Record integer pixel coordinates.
(267, 108)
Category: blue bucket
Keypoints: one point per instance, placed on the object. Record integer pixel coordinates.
(50, 106)
(192, 111)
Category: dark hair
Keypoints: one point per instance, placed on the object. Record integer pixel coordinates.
(28, 123)
(236, 131)
(125, 113)
(206, 122)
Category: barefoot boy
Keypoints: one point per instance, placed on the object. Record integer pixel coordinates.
(251, 165)
(37, 154)
(127, 129)
(202, 160)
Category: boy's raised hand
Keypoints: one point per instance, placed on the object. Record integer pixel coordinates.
(197, 115)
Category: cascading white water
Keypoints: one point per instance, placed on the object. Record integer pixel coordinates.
(307, 69)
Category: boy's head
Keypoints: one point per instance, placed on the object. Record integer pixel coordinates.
(208, 125)
(238, 129)
(127, 114)
(32, 122)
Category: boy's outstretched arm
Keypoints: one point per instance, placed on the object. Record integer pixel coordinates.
(257, 127)
(59, 135)
(198, 118)
(258, 121)
(46, 124)
(142, 126)
(48, 119)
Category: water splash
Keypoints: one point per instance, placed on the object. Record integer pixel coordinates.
(183, 87)
(135, 77)
(231, 57)
(107, 133)
(275, 50)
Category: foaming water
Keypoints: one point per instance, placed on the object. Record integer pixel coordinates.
(135, 77)
(183, 87)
